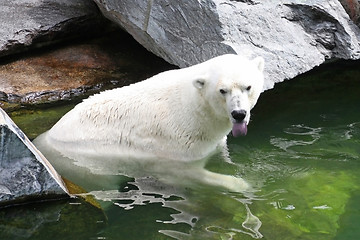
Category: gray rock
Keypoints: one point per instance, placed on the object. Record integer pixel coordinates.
(31, 23)
(25, 174)
(293, 36)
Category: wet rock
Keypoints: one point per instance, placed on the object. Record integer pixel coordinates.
(293, 36)
(28, 24)
(25, 174)
(76, 70)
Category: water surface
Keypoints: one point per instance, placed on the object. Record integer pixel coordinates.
(301, 156)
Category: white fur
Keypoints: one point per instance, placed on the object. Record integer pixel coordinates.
(178, 114)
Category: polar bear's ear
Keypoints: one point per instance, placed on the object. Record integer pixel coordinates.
(199, 83)
(259, 62)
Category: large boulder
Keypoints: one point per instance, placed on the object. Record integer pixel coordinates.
(25, 174)
(293, 36)
(27, 24)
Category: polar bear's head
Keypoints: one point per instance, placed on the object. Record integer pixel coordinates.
(231, 87)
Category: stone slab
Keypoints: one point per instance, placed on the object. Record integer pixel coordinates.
(25, 174)
(26, 24)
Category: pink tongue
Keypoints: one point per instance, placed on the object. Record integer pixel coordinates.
(239, 129)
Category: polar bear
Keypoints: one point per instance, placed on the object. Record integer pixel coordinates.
(181, 114)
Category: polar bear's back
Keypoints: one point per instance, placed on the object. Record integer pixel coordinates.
(131, 116)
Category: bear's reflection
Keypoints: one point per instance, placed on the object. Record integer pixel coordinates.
(186, 187)
(83, 168)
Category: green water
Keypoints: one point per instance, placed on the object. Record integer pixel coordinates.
(301, 156)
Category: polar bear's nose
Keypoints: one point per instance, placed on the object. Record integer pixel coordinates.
(238, 115)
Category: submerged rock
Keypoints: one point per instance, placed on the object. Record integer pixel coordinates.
(28, 24)
(293, 36)
(25, 174)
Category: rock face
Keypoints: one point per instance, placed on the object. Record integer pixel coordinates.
(24, 172)
(29, 23)
(293, 36)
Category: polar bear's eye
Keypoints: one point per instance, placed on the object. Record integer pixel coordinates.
(248, 88)
(222, 91)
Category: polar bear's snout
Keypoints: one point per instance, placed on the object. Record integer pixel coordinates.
(238, 115)
(239, 122)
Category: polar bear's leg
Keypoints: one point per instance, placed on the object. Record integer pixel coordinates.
(229, 182)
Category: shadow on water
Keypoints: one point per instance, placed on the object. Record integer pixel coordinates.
(301, 156)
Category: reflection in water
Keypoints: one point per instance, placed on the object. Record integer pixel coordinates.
(284, 183)
(251, 227)
(189, 211)
(166, 170)
(51, 221)
(131, 183)
(299, 135)
(252, 224)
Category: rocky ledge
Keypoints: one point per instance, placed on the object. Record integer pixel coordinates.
(74, 70)
(293, 36)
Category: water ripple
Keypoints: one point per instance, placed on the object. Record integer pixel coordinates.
(298, 135)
